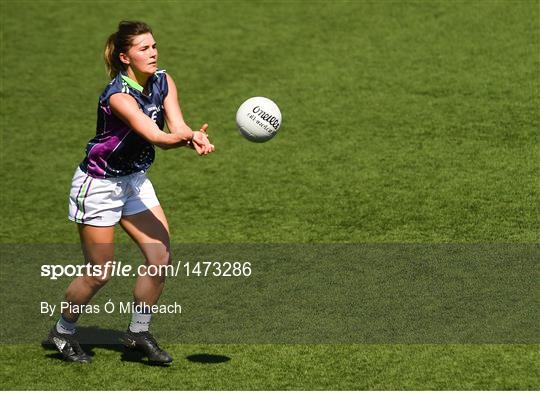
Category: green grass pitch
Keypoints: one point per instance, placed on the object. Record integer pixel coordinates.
(403, 122)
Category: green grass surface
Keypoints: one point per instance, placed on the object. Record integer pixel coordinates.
(284, 367)
(403, 122)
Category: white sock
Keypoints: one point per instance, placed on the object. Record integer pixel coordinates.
(140, 322)
(65, 327)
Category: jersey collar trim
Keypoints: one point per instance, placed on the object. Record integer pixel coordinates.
(132, 83)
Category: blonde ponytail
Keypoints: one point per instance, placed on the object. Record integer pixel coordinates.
(112, 62)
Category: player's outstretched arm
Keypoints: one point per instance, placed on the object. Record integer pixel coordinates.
(126, 108)
(177, 125)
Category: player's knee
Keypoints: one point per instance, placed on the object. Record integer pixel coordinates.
(160, 258)
(96, 282)
(159, 268)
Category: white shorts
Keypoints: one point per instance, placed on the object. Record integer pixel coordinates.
(102, 202)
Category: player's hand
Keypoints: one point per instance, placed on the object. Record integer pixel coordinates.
(201, 143)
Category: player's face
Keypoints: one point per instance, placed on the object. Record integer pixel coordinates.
(143, 54)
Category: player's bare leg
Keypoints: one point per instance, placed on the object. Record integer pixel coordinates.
(98, 249)
(150, 230)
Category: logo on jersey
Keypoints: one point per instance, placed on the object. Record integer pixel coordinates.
(153, 111)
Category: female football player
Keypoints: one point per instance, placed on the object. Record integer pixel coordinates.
(110, 185)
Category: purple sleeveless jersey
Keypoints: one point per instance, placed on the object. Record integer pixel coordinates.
(117, 150)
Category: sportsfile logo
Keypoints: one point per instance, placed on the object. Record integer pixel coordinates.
(269, 118)
(109, 269)
(120, 269)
